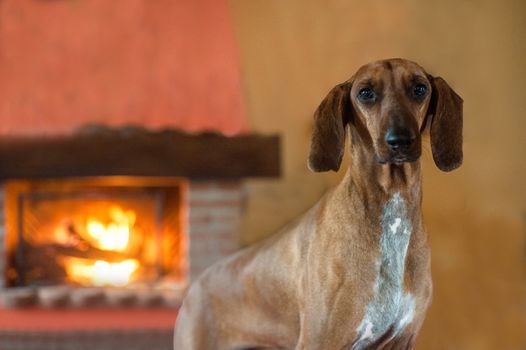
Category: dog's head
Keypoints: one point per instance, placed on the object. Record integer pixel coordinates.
(388, 105)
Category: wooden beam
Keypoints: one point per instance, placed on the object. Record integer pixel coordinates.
(101, 151)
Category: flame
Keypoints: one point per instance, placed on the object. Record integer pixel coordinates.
(110, 236)
(115, 235)
(100, 272)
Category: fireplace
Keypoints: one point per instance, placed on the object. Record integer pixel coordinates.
(83, 227)
(81, 239)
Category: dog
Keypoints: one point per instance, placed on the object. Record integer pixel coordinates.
(354, 271)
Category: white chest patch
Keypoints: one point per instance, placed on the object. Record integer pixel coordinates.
(390, 307)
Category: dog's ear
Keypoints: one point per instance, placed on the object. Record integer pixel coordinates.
(445, 111)
(328, 137)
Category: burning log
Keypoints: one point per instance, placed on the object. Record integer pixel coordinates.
(47, 261)
(85, 252)
(77, 246)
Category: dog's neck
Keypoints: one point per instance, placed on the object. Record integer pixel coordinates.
(388, 198)
(373, 184)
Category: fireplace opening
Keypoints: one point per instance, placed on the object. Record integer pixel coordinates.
(101, 235)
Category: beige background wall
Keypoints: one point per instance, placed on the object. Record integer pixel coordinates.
(292, 52)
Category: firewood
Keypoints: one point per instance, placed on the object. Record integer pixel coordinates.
(43, 263)
(87, 252)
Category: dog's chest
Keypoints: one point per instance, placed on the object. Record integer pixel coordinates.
(390, 308)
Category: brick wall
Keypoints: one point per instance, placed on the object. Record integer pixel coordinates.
(214, 218)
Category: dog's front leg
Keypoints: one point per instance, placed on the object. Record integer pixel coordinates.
(193, 331)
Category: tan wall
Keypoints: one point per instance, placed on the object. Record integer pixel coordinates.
(294, 51)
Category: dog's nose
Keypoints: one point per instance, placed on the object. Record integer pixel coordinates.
(399, 138)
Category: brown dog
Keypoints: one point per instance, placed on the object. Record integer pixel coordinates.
(354, 271)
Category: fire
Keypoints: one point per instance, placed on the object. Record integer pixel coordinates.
(115, 235)
(100, 272)
(112, 236)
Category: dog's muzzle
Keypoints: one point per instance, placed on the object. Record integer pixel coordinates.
(401, 145)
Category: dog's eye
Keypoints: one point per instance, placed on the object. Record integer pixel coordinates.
(366, 95)
(419, 90)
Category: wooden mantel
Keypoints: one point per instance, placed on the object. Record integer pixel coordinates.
(101, 151)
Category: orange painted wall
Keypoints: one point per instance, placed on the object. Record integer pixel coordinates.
(158, 63)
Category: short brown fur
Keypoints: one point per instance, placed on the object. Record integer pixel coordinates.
(307, 286)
